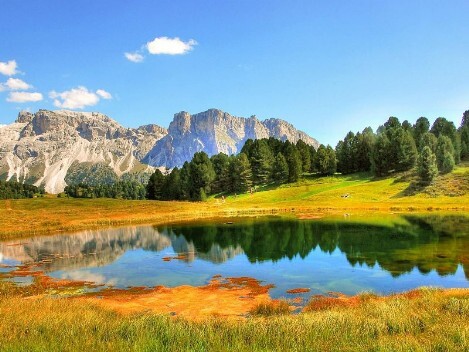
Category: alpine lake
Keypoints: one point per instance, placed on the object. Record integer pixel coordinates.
(346, 255)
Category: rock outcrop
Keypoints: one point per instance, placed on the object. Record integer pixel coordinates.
(40, 148)
(215, 131)
(48, 147)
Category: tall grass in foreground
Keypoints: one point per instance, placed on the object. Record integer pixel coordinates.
(431, 322)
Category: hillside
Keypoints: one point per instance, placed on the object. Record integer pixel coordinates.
(57, 148)
(357, 195)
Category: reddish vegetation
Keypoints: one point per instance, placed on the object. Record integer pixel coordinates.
(181, 256)
(227, 297)
(298, 290)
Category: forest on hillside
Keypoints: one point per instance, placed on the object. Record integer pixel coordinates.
(17, 190)
(428, 149)
(395, 147)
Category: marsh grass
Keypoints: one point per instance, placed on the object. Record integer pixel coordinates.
(271, 308)
(431, 321)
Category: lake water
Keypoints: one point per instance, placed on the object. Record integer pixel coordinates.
(323, 255)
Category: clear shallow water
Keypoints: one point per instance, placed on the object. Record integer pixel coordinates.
(322, 255)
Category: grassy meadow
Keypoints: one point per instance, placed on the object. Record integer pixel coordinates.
(357, 195)
(423, 320)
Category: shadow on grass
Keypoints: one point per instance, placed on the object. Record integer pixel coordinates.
(414, 188)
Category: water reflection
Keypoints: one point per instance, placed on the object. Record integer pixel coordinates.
(313, 248)
(431, 243)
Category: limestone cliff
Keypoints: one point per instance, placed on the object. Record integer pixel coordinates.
(215, 131)
(40, 148)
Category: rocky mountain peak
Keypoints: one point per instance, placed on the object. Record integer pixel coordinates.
(24, 117)
(181, 123)
(215, 131)
(47, 147)
(41, 148)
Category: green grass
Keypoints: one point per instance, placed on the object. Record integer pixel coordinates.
(431, 322)
(318, 196)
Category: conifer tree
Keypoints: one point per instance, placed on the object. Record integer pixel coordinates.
(380, 155)
(444, 150)
(221, 164)
(426, 167)
(428, 139)
(201, 175)
(421, 126)
(155, 185)
(280, 169)
(261, 160)
(240, 173)
(293, 158)
(305, 155)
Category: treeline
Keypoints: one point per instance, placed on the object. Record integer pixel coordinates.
(16, 190)
(401, 146)
(260, 162)
(119, 190)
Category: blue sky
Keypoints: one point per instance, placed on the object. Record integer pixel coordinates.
(326, 66)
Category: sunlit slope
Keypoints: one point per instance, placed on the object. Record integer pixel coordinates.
(314, 196)
(363, 190)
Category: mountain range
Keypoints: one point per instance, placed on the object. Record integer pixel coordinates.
(56, 148)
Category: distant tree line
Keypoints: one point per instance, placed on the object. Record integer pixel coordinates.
(16, 190)
(260, 162)
(119, 189)
(401, 146)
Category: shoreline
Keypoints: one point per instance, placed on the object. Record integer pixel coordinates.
(49, 216)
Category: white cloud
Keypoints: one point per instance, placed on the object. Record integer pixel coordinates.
(169, 46)
(8, 68)
(134, 57)
(78, 98)
(103, 94)
(15, 84)
(23, 97)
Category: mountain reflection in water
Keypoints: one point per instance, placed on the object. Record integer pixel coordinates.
(439, 244)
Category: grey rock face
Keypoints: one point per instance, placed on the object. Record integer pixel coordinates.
(40, 148)
(215, 131)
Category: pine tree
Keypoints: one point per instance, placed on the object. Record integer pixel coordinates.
(154, 186)
(464, 142)
(406, 151)
(261, 160)
(241, 174)
(364, 147)
(172, 186)
(380, 155)
(421, 126)
(427, 168)
(293, 158)
(326, 160)
(185, 181)
(448, 163)
(280, 169)
(428, 139)
(201, 175)
(444, 147)
(305, 155)
(221, 166)
(441, 126)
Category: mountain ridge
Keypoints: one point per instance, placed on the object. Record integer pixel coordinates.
(41, 148)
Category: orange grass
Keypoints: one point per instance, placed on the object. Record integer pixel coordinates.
(310, 198)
